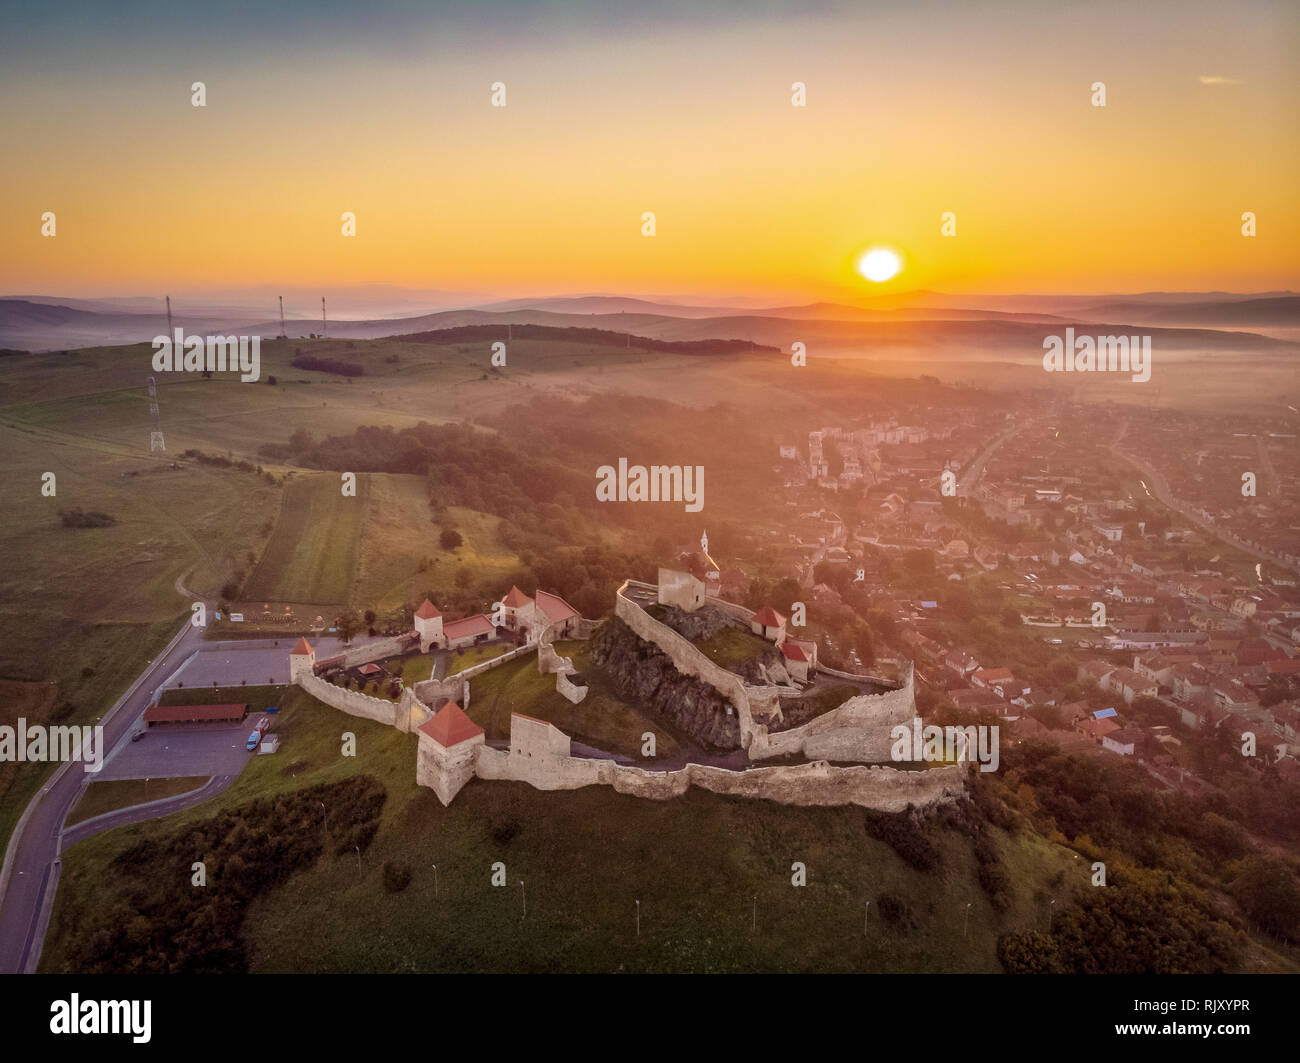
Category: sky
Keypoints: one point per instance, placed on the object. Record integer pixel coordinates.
(614, 109)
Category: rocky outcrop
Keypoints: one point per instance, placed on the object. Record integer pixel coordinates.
(702, 624)
(646, 676)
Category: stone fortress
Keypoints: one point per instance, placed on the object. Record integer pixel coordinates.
(452, 749)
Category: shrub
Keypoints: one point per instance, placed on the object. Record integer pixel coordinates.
(895, 911)
(397, 876)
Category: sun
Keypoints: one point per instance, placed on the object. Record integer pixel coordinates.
(880, 264)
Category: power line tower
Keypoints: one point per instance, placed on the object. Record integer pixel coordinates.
(155, 435)
(324, 328)
(283, 334)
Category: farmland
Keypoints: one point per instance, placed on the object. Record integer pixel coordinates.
(312, 554)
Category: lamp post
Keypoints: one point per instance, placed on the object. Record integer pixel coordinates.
(638, 918)
(435, 880)
(524, 894)
(754, 926)
(965, 923)
(865, 913)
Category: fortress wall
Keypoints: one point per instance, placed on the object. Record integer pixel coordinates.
(874, 678)
(454, 688)
(567, 689)
(857, 730)
(479, 669)
(736, 612)
(688, 660)
(353, 702)
(887, 789)
(542, 772)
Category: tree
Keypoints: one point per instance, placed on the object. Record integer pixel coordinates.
(1268, 891)
(347, 625)
(450, 539)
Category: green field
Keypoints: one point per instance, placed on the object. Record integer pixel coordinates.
(312, 554)
(112, 794)
(601, 720)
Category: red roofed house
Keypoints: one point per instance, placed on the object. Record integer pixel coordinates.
(985, 678)
(800, 658)
(468, 631)
(445, 761)
(768, 623)
(519, 610)
(555, 610)
(302, 660)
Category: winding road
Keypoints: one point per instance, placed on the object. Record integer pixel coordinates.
(30, 874)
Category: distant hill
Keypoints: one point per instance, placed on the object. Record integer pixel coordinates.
(834, 327)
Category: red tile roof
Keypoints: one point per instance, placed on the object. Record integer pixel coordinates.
(515, 599)
(427, 611)
(478, 624)
(193, 713)
(555, 607)
(450, 726)
(303, 649)
(793, 652)
(769, 617)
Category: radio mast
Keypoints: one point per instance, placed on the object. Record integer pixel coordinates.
(155, 434)
(283, 335)
(170, 333)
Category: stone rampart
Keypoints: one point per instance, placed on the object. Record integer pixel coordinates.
(355, 703)
(688, 659)
(886, 789)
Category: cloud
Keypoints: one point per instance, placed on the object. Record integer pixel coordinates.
(1216, 79)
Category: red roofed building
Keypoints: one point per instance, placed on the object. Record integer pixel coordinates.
(448, 744)
(555, 610)
(302, 660)
(800, 659)
(987, 677)
(768, 623)
(519, 610)
(466, 632)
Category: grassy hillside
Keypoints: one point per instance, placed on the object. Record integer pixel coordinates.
(696, 864)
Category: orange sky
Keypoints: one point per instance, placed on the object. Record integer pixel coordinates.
(986, 115)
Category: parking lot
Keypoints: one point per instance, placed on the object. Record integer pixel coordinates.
(168, 752)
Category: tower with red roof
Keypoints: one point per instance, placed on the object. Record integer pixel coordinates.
(428, 625)
(302, 660)
(448, 745)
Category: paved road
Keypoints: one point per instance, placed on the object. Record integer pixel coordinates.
(164, 806)
(970, 476)
(1158, 487)
(31, 860)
